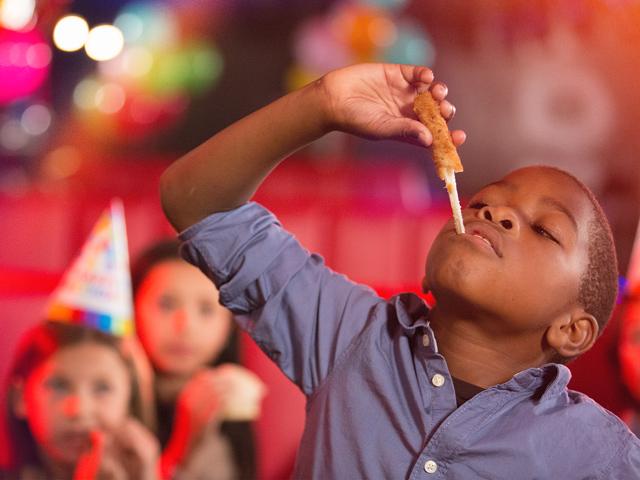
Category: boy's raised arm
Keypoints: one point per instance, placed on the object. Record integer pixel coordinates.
(369, 100)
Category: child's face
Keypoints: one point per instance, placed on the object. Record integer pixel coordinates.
(180, 323)
(79, 389)
(520, 262)
(629, 349)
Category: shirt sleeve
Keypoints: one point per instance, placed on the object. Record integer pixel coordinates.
(626, 464)
(303, 315)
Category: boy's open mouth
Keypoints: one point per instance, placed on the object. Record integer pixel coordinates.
(487, 234)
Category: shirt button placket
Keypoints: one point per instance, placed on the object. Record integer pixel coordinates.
(430, 466)
(437, 380)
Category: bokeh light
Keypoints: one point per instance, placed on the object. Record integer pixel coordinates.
(62, 162)
(84, 95)
(16, 14)
(36, 119)
(12, 136)
(110, 98)
(70, 33)
(148, 23)
(104, 42)
(25, 58)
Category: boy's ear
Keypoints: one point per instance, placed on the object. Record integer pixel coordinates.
(16, 397)
(425, 285)
(573, 333)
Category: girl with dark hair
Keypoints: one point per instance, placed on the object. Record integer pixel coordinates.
(72, 408)
(204, 399)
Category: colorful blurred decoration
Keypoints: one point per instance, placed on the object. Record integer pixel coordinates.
(147, 85)
(25, 57)
(357, 31)
(96, 290)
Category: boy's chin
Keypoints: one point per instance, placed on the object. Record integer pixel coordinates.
(465, 292)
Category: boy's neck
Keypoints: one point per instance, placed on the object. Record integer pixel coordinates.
(479, 357)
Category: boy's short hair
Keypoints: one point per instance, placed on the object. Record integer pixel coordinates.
(599, 283)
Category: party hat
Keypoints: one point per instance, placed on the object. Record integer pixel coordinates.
(96, 290)
(633, 271)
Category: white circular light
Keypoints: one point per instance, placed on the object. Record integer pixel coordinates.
(36, 119)
(104, 43)
(70, 33)
(16, 14)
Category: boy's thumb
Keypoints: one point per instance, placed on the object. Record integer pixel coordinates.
(414, 132)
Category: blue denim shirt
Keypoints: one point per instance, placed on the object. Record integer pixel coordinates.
(380, 400)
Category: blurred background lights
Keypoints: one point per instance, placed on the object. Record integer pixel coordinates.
(104, 42)
(38, 55)
(130, 25)
(16, 14)
(25, 59)
(84, 95)
(110, 98)
(62, 162)
(70, 33)
(13, 136)
(36, 119)
(151, 23)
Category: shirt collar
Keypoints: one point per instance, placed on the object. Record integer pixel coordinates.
(548, 380)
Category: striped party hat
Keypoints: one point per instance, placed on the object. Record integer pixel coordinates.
(96, 290)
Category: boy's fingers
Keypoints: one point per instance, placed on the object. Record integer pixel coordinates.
(412, 131)
(458, 137)
(439, 91)
(447, 110)
(416, 75)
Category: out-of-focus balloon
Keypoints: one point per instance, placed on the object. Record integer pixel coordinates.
(24, 63)
(411, 46)
(319, 49)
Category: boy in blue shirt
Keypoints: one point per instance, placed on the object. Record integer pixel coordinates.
(473, 388)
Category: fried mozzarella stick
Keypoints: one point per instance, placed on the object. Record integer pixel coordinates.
(444, 151)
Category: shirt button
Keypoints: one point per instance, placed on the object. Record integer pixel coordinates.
(430, 466)
(437, 380)
(425, 340)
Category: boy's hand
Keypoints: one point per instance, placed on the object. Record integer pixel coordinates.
(375, 101)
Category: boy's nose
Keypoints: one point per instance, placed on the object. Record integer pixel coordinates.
(504, 216)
